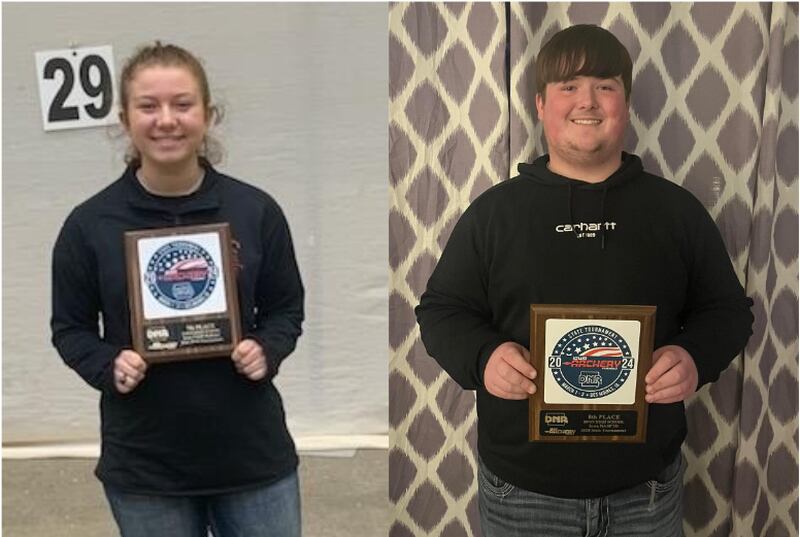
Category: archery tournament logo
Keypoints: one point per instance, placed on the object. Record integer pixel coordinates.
(181, 275)
(591, 362)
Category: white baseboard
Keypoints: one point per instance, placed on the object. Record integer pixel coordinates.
(332, 446)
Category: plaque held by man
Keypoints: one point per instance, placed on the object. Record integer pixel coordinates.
(591, 362)
(182, 292)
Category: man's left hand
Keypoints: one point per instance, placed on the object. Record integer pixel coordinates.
(250, 360)
(673, 376)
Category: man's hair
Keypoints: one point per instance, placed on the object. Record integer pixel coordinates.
(583, 50)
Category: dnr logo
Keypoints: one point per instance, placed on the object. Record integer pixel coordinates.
(556, 419)
(590, 378)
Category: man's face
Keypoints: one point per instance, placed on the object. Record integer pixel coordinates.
(584, 120)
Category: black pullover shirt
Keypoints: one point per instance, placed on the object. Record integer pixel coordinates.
(194, 427)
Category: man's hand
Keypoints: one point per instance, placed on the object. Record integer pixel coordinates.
(508, 372)
(129, 369)
(250, 360)
(673, 376)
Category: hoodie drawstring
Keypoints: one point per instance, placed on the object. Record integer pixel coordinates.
(602, 215)
(603, 218)
(569, 209)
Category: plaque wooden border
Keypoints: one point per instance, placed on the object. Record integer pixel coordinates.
(139, 324)
(540, 313)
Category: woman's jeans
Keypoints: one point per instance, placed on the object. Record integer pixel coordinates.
(652, 509)
(271, 511)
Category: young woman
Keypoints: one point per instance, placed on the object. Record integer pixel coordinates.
(194, 445)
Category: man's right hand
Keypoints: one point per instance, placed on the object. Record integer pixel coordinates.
(129, 369)
(508, 372)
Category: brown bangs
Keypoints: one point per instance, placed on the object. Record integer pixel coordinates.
(583, 50)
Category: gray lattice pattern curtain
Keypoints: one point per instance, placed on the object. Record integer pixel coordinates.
(714, 108)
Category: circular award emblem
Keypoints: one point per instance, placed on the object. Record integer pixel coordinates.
(591, 361)
(181, 275)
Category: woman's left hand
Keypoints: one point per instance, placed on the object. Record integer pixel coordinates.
(250, 360)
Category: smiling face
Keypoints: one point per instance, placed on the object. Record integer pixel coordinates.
(584, 120)
(165, 117)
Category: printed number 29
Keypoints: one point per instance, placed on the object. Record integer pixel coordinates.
(59, 112)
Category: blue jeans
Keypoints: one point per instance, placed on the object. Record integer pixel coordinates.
(271, 511)
(652, 509)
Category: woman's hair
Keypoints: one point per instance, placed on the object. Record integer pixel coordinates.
(583, 50)
(161, 55)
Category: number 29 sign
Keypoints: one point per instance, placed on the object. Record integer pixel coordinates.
(76, 87)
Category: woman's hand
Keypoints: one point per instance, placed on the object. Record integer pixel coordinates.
(129, 370)
(250, 360)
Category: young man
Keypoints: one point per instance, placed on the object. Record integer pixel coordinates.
(529, 241)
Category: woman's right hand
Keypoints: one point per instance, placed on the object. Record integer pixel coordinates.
(129, 369)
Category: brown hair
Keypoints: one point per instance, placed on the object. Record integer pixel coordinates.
(583, 50)
(168, 55)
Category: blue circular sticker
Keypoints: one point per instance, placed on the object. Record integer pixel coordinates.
(591, 361)
(181, 275)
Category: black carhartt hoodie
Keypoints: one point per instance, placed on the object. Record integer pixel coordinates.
(541, 238)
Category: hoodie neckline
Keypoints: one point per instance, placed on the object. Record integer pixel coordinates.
(539, 172)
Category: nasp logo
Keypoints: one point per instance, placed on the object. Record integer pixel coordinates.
(181, 275)
(591, 362)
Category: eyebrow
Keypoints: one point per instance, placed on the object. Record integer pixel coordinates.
(603, 78)
(177, 96)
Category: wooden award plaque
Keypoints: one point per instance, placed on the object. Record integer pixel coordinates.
(591, 362)
(182, 292)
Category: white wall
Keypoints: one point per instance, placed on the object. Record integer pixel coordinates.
(304, 89)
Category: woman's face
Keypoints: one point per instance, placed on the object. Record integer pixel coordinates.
(165, 116)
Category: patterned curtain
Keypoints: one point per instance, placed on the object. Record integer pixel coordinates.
(714, 108)
(448, 142)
